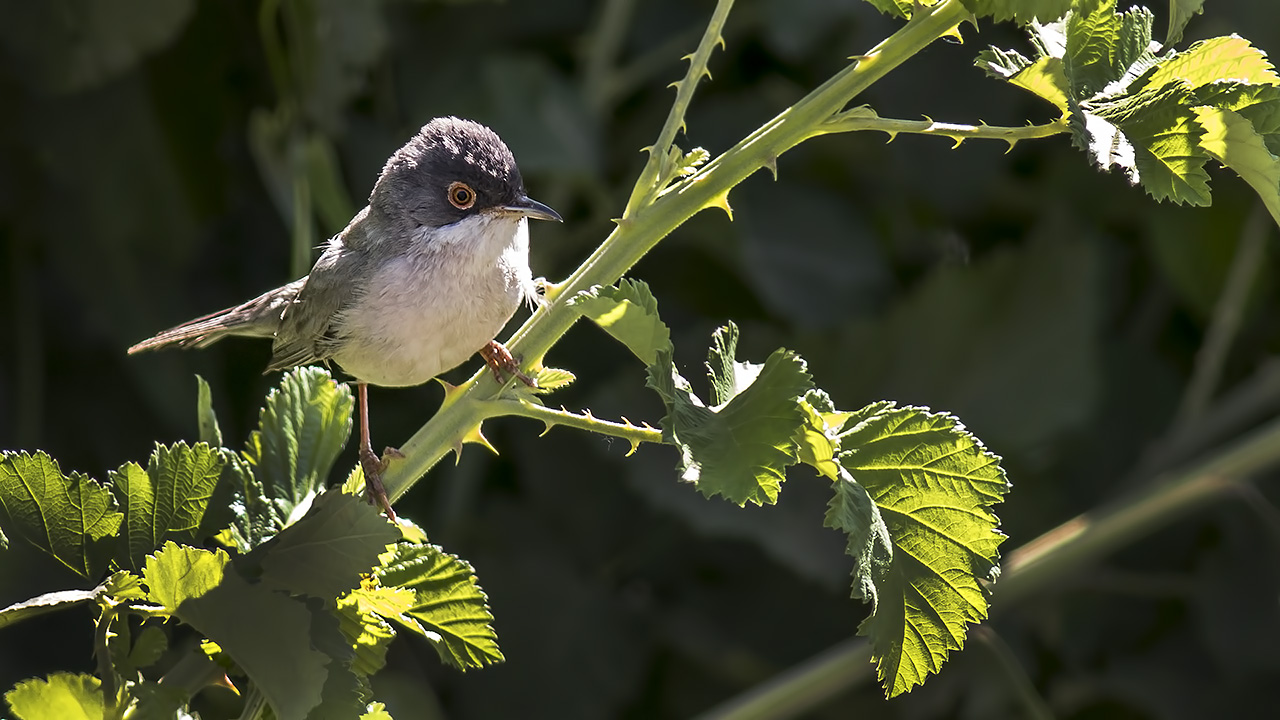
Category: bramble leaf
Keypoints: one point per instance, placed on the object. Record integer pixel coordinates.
(933, 484)
(272, 637)
(62, 696)
(205, 416)
(629, 313)
(853, 512)
(1231, 140)
(42, 604)
(1221, 58)
(448, 608)
(1021, 11)
(741, 445)
(74, 518)
(301, 429)
(167, 501)
(1180, 12)
(325, 553)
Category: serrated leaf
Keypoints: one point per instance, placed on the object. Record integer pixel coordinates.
(629, 313)
(325, 553)
(123, 585)
(1021, 11)
(42, 604)
(365, 628)
(689, 163)
(740, 447)
(853, 512)
(934, 484)
(269, 635)
(301, 429)
(1165, 136)
(62, 696)
(1180, 12)
(1046, 78)
(1221, 58)
(550, 379)
(449, 607)
(1093, 38)
(206, 418)
(72, 518)
(1231, 140)
(167, 501)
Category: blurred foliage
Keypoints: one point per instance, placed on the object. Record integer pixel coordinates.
(146, 177)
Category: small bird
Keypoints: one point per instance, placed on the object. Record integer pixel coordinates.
(422, 278)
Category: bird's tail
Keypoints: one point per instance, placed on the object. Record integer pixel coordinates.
(260, 317)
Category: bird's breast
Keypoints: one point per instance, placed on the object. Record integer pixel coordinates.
(429, 309)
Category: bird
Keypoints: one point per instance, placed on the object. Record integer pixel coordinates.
(421, 279)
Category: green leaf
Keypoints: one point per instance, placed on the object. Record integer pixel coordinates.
(42, 604)
(1180, 12)
(377, 711)
(361, 614)
(268, 634)
(853, 512)
(123, 585)
(549, 379)
(73, 519)
(740, 446)
(325, 553)
(206, 418)
(449, 608)
(148, 647)
(1021, 11)
(1161, 129)
(629, 313)
(1093, 39)
(61, 697)
(168, 500)
(301, 429)
(1044, 77)
(1231, 140)
(1215, 59)
(934, 484)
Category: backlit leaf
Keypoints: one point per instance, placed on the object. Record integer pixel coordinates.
(62, 696)
(629, 313)
(167, 501)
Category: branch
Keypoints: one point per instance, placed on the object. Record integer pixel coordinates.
(864, 118)
(637, 234)
(634, 434)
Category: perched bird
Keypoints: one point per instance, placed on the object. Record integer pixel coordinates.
(423, 277)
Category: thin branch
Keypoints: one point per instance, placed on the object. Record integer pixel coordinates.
(1227, 315)
(866, 119)
(648, 186)
(634, 434)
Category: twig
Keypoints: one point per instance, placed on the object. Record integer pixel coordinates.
(1226, 317)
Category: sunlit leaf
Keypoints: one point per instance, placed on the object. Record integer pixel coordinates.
(629, 313)
(933, 484)
(741, 444)
(42, 604)
(1164, 134)
(74, 518)
(1231, 140)
(62, 696)
(1021, 11)
(167, 501)
(1215, 59)
(449, 607)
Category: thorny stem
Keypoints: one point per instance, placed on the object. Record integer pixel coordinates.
(865, 119)
(634, 434)
(645, 226)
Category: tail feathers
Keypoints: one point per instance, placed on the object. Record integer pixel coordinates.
(260, 317)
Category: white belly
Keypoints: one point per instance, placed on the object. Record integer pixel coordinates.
(429, 310)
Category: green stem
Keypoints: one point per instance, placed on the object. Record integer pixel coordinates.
(111, 682)
(551, 417)
(865, 119)
(636, 235)
(1030, 569)
(648, 185)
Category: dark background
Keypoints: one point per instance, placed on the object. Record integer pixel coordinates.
(1057, 310)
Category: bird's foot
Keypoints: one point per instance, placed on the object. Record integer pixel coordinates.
(500, 360)
(373, 467)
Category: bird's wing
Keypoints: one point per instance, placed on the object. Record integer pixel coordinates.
(308, 330)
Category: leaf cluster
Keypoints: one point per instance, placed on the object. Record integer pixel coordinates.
(299, 600)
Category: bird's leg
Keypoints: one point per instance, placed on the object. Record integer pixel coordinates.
(500, 361)
(369, 462)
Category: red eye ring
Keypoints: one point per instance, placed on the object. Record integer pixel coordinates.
(461, 195)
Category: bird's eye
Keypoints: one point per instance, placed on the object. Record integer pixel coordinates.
(461, 195)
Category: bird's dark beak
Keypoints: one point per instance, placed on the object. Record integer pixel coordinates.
(529, 207)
